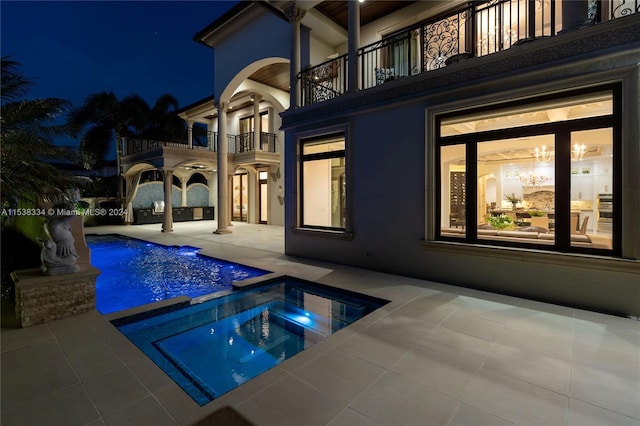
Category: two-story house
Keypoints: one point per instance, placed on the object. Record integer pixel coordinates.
(489, 144)
(228, 165)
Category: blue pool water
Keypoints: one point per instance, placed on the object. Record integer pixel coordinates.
(212, 347)
(135, 272)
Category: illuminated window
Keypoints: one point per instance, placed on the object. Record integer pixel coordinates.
(324, 183)
(536, 174)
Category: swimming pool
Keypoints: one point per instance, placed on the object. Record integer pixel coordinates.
(135, 272)
(210, 348)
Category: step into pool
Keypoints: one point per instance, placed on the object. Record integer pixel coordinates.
(212, 347)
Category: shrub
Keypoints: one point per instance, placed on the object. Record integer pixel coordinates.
(501, 222)
(18, 252)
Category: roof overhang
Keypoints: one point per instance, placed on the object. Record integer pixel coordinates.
(241, 14)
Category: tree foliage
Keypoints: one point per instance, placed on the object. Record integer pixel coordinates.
(103, 119)
(27, 130)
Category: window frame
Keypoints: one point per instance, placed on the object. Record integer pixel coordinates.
(333, 134)
(562, 133)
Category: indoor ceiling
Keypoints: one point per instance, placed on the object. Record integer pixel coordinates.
(528, 154)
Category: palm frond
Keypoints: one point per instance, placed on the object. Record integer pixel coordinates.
(14, 84)
(94, 145)
(98, 108)
(27, 113)
(27, 128)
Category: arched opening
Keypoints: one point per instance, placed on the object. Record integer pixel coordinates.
(197, 178)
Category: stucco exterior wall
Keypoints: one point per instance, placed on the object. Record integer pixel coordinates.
(391, 182)
(320, 51)
(247, 45)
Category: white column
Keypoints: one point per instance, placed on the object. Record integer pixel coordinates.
(211, 184)
(223, 179)
(183, 193)
(210, 140)
(353, 65)
(167, 221)
(294, 14)
(190, 133)
(257, 123)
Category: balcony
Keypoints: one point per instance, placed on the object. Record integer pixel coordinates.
(205, 141)
(201, 140)
(477, 30)
(246, 152)
(241, 148)
(245, 142)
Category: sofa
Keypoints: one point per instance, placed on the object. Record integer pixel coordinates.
(533, 235)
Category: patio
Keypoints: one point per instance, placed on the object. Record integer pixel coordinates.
(437, 354)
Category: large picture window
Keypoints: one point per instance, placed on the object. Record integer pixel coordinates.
(539, 174)
(323, 182)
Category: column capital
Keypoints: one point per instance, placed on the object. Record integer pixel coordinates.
(222, 105)
(293, 12)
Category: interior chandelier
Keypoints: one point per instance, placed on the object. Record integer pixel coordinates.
(532, 179)
(542, 154)
(578, 151)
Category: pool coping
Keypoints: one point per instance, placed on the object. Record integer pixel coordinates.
(156, 307)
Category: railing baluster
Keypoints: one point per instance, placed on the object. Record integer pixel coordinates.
(489, 27)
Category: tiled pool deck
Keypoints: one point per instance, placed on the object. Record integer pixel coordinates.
(435, 355)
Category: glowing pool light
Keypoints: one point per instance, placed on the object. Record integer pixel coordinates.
(302, 319)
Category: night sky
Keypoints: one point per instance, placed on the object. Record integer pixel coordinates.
(73, 49)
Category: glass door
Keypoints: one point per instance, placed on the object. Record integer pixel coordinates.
(264, 196)
(239, 208)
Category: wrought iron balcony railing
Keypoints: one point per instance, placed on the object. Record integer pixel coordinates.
(202, 140)
(479, 29)
(245, 143)
(325, 81)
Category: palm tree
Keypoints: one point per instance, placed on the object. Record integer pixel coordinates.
(27, 130)
(163, 123)
(104, 118)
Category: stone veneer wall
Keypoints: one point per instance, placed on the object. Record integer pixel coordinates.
(197, 195)
(41, 298)
(154, 191)
(542, 200)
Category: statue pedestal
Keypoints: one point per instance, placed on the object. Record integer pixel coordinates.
(43, 298)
